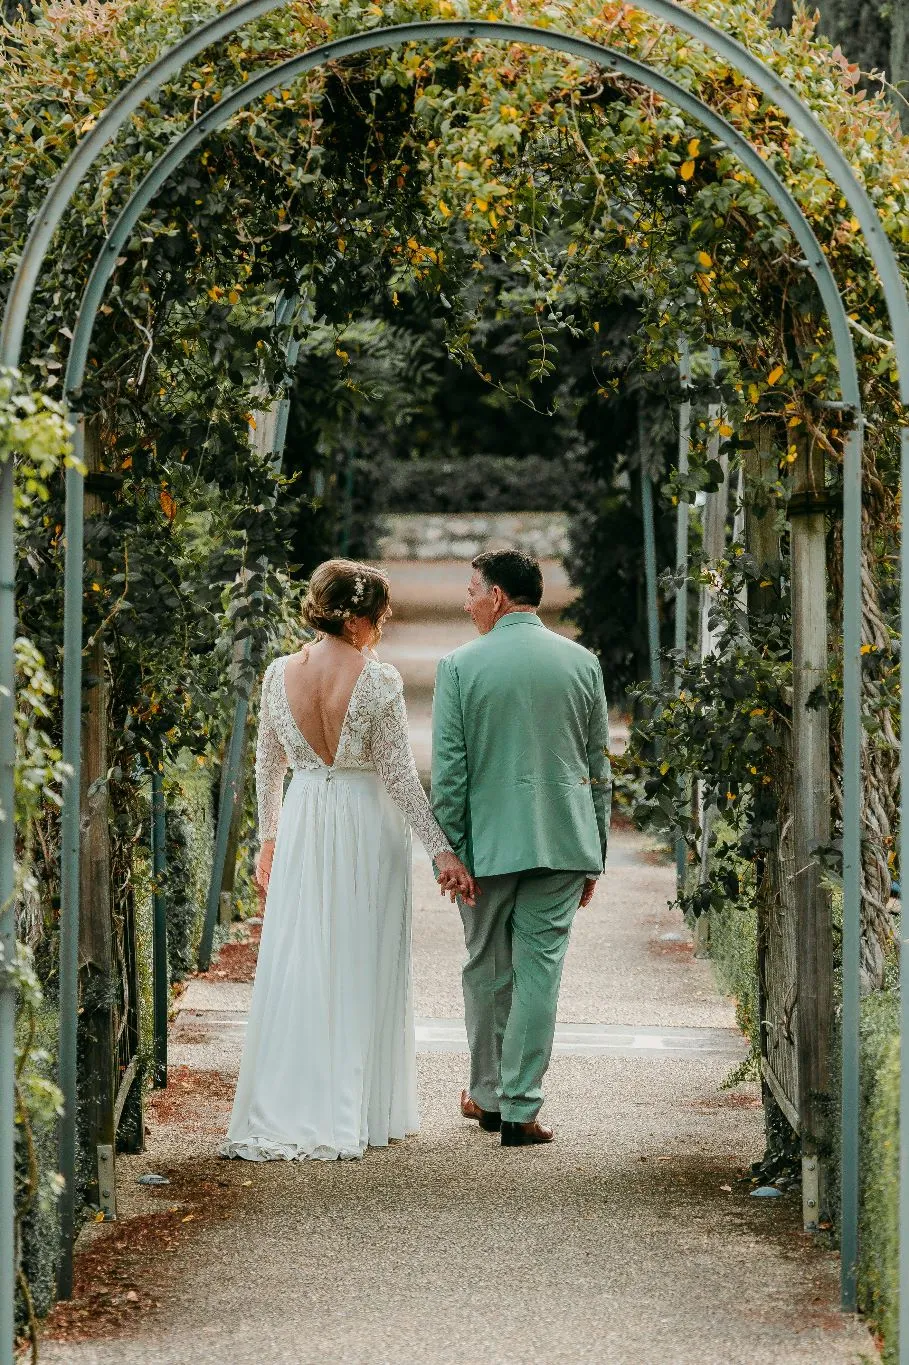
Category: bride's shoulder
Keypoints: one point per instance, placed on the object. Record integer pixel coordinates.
(388, 681)
(274, 668)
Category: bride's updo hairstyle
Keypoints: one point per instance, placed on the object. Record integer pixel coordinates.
(341, 589)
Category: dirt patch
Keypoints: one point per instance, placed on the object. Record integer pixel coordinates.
(237, 959)
(194, 1101)
(123, 1276)
(726, 1099)
(676, 950)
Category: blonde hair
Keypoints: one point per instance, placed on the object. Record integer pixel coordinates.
(340, 589)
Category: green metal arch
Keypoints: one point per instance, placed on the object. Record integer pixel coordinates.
(10, 347)
(105, 262)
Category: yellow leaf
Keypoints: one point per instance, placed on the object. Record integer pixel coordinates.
(413, 244)
(233, 296)
(342, 355)
(127, 463)
(168, 506)
(704, 260)
(96, 587)
(694, 146)
(444, 209)
(596, 326)
(342, 244)
(775, 374)
(482, 205)
(251, 420)
(867, 649)
(725, 429)
(687, 170)
(572, 248)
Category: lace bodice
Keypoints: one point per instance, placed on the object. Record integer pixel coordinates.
(373, 736)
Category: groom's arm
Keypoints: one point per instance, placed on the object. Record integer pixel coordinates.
(449, 758)
(598, 763)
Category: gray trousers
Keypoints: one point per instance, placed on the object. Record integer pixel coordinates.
(516, 935)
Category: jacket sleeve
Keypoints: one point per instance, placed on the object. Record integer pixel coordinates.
(598, 764)
(449, 759)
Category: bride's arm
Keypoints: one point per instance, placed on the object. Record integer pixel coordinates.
(395, 765)
(271, 765)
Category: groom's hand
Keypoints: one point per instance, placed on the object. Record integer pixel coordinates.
(590, 885)
(454, 879)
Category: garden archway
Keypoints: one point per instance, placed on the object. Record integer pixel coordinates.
(14, 321)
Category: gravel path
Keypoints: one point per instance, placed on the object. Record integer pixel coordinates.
(632, 1239)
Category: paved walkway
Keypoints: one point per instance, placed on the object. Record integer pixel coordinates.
(632, 1239)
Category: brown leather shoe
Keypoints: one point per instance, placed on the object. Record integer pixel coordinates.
(488, 1119)
(525, 1134)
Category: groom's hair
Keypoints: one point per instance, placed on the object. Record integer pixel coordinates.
(518, 575)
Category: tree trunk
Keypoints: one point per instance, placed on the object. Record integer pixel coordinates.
(96, 973)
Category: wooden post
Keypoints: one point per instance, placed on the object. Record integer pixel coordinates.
(97, 987)
(160, 966)
(713, 544)
(776, 929)
(811, 821)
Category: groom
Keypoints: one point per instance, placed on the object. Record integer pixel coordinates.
(521, 785)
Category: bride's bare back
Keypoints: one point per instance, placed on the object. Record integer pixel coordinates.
(320, 681)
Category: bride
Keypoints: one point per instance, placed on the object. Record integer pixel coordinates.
(329, 1062)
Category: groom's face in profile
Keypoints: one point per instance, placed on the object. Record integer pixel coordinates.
(484, 603)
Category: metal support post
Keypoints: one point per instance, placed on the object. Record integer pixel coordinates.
(903, 1279)
(7, 919)
(69, 853)
(681, 561)
(650, 564)
(160, 970)
(852, 870)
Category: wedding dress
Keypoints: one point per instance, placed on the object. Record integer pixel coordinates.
(329, 1062)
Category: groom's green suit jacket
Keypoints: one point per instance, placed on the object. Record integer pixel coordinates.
(520, 770)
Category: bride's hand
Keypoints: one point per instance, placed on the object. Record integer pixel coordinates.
(263, 868)
(455, 879)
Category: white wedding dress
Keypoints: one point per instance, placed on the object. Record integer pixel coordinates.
(329, 1063)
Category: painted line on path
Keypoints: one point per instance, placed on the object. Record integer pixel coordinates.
(450, 1035)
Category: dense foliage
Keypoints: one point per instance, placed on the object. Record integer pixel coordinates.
(475, 180)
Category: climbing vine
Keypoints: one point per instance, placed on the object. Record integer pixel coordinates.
(483, 177)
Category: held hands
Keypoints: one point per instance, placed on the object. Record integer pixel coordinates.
(263, 869)
(590, 885)
(454, 879)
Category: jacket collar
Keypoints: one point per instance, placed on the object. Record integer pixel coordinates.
(517, 618)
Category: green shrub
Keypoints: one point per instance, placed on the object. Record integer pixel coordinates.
(878, 1286)
(733, 948)
(190, 835)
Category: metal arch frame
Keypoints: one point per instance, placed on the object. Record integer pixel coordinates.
(122, 230)
(840, 171)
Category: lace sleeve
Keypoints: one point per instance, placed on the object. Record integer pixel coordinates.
(271, 764)
(395, 765)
